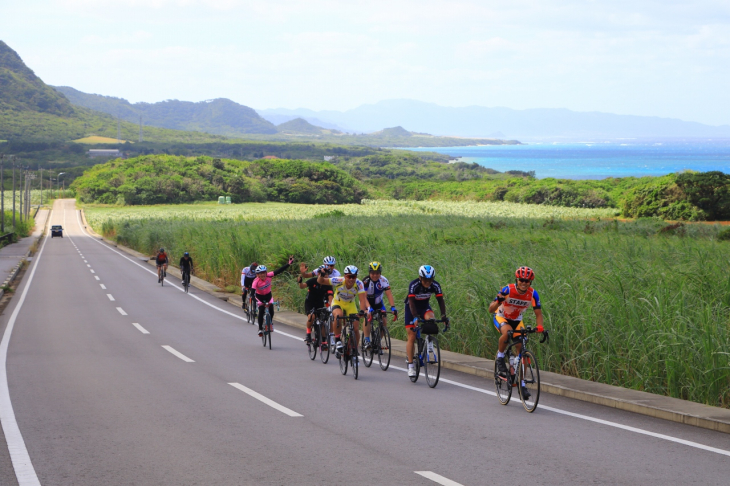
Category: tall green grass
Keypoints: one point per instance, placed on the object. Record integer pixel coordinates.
(627, 304)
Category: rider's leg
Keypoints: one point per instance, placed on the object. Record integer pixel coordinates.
(356, 327)
(410, 335)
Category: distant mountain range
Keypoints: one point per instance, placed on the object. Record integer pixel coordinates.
(220, 116)
(482, 122)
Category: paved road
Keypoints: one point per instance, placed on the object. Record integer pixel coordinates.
(98, 401)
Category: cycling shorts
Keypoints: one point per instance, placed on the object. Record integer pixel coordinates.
(409, 317)
(500, 321)
(380, 306)
(264, 299)
(310, 307)
(347, 307)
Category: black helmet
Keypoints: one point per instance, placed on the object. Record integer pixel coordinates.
(253, 266)
(186, 254)
(162, 250)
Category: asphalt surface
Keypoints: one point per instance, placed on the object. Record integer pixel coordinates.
(99, 402)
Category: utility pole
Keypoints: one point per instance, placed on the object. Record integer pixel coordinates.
(13, 194)
(2, 193)
(21, 194)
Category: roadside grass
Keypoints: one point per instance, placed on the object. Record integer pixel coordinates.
(627, 303)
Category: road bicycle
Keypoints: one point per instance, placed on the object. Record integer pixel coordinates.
(161, 274)
(379, 341)
(349, 345)
(251, 308)
(522, 368)
(428, 356)
(186, 280)
(319, 336)
(268, 329)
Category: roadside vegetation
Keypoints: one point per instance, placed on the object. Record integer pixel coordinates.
(641, 304)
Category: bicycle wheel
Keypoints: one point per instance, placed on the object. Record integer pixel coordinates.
(324, 344)
(354, 359)
(432, 363)
(367, 354)
(383, 348)
(417, 360)
(530, 374)
(254, 313)
(503, 385)
(344, 358)
(312, 347)
(269, 328)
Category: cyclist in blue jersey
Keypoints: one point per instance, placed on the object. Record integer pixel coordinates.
(418, 305)
(376, 285)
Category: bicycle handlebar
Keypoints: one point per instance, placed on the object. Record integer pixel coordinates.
(443, 320)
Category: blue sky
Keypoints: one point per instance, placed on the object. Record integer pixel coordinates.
(662, 58)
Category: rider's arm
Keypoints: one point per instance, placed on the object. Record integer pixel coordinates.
(364, 304)
(501, 296)
(412, 305)
(302, 283)
(279, 270)
(303, 271)
(322, 280)
(389, 294)
(538, 317)
(442, 305)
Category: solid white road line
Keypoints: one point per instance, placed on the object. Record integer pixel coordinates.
(22, 465)
(121, 311)
(178, 354)
(141, 329)
(462, 385)
(96, 277)
(103, 286)
(111, 297)
(265, 400)
(437, 478)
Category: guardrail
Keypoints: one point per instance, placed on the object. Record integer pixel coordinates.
(7, 237)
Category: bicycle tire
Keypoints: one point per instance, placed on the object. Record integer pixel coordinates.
(354, 360)
(312, 346)
(530, 373)
(417, 360)
(432, 363)
(367, 354)
(384, 347)
(503, 386)
(269, 328)
(343, 360)
(324, 345)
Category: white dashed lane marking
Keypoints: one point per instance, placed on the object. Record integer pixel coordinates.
(177, 353)
(141, 329)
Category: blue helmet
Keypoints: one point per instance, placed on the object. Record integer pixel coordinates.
(329, 260)
(261, 268)
(350, 270)
(426, 271)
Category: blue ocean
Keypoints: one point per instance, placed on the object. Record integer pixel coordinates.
(592, 160)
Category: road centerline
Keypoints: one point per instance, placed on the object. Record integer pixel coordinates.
(121, 311)
(141, 329)
(266, 400)
(111, 297)
(437, 478)
(177, 353)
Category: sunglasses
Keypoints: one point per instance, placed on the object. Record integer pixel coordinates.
(351, 276)
(524, 280)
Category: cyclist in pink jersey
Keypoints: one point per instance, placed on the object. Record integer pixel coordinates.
(261, 287)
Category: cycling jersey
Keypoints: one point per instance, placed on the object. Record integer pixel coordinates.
(515, 303)
(161, 258)
(186, 264)
(247, 276)
(333, 273)
(263, 286)
(375, 289)
(316, 295)
(342, 293)
(421, 294)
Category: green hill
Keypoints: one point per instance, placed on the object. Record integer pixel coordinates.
(220, 116)
(33, 111)
(301, 126)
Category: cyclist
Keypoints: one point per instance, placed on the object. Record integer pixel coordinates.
(317, 297)
(345, 289)
(262, 287)
(376, 285)
(418, 304)
(328, 262)
(186, 266)
(247, 275)
(162, 261)
(509, 306)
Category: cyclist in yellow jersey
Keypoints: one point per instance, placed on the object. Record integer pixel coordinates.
(346, 290)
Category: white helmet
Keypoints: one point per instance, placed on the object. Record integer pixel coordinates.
(261, 268)
(426, 271)
(329, 260)
(351, 270)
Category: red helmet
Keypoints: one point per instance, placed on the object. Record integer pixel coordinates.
(525, 272)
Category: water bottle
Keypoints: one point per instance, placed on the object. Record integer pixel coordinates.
(430, 346)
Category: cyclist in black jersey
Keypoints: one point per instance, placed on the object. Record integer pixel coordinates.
(318, 296)
(186, 265)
